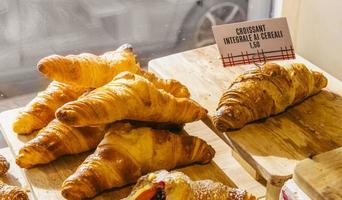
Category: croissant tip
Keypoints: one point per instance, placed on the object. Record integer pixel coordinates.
(41, 67)
(19, 161)
(22, 126)
(69, 194)
(65, 116)
(219, 124)
(126, 47)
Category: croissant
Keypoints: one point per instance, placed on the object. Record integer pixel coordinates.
(8, 192)
(4, 165)
(169, 85)
(263, 92)
(89, 70)
(41, 110)
(93, 71)
(126, 153)
(129, 96)
(162, 185)
(56, 140)
(155, 125)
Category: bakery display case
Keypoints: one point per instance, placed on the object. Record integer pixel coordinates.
(135, 100)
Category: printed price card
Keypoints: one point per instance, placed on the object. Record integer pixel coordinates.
(254, 41)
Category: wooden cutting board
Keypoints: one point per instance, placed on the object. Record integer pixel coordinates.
(272, 146)
(46, 180)
(321, 176)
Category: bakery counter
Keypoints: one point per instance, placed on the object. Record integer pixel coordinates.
(133, 132)
(269, 148)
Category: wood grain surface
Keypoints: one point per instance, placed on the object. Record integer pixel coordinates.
(321, 176)
(46, 180)
(272, 146)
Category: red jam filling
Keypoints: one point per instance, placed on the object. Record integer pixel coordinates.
(157, 192)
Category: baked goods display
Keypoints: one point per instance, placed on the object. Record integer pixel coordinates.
(131, 97)
(265, 91)
(110, 104)
(41, 110)
(126, 153)
(162, 185)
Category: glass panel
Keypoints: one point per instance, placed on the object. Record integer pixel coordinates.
(30, 30)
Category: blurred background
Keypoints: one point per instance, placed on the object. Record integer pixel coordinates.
(30, 30)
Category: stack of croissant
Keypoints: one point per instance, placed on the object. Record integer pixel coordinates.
(109, 103)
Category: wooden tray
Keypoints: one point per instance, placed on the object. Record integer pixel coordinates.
(46, 180)
(321, 176)
(273, 146)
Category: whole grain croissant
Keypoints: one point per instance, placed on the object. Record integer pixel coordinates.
(162, 185)
(263, 92)
(56, 140)
(89, 70)
(41, 110)
(126, 153)
(129, 96)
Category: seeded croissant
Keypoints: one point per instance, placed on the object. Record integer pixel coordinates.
(263, 92)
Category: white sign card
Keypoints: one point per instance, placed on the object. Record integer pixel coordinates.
(254, 41)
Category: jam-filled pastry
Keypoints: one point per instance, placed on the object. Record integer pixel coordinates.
(133, 97)
(265, 91)
(126, 153)
(164, 185)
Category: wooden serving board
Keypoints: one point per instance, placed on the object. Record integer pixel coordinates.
(272, 146)
(321, 176)
(46, 180)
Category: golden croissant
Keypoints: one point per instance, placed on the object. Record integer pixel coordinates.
(129, 96)
(56, 140)
(162, 185)
(169, 85)
(263, 92)
(93, 71)
(9, 192)
(41, 110)
(126, 153)
(89, 70)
